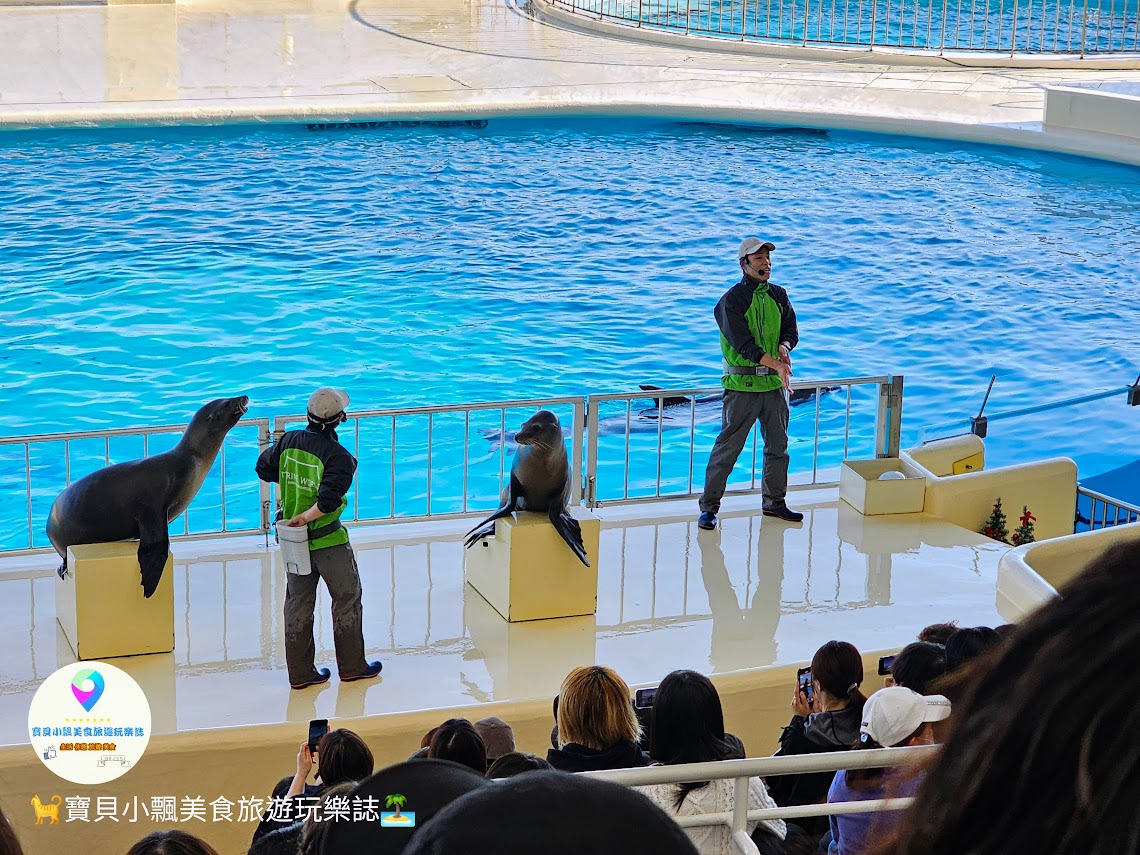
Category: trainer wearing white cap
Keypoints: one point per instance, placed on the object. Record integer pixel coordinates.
(757, 334)
(314, 472)
(892, 717)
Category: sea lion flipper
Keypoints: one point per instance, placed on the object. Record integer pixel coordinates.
(487, 526)
(570, 531)
(154, 546)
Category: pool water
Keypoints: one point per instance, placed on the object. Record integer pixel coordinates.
(144, 272)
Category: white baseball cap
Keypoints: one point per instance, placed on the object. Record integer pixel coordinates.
(327, 402)
(891, 715)
(752, 244)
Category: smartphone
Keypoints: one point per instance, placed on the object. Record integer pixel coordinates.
(885, 665)
(318, 727)
(804, 677)
(643, 698)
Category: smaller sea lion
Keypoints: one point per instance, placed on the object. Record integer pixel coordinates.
(540, 482)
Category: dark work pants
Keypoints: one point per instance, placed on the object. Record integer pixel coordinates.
(741, 411)
(337, 566)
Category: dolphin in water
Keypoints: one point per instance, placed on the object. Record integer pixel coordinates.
(669, 412)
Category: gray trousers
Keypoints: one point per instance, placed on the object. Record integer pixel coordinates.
(741, 411)
(337, 566)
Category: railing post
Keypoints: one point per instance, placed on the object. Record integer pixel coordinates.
(263, 495)
(576, 451)
(740, 817)
(888, 423)
(591, 453)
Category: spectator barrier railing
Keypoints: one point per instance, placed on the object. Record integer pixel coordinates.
(451, 461)
(1077, 28)
(741, 771)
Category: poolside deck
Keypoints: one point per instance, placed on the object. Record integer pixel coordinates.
(329, 59)
(758, 592)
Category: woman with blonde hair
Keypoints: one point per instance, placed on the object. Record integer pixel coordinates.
(597, 725)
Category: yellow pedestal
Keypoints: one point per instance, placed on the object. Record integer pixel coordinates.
(101, 608)
(527, 572)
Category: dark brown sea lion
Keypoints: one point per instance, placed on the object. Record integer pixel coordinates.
(540, 482)
(139, 498)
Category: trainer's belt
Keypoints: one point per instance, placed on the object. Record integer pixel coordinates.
(753, 370)
(325, 530)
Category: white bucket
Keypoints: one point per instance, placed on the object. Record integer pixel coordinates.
(294, 542)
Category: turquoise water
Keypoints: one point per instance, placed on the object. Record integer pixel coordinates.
(145, 272)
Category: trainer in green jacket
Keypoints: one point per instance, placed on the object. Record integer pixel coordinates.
(757, 334)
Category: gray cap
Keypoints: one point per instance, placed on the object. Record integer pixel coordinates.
(752, 244)
(327, 402)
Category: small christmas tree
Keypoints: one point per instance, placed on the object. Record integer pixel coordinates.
(995, 527)
(1024, 532)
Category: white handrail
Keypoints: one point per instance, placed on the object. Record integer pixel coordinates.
(743, 770)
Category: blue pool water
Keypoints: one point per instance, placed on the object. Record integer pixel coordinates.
(144, 272)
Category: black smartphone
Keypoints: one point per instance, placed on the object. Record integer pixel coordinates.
(318, 727)
(885, 665)
(643, 698)
(804, 677)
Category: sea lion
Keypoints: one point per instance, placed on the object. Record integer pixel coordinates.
(540, 482)
(139, 498)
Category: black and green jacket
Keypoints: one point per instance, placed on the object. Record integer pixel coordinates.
(754, 319)
(312, 467)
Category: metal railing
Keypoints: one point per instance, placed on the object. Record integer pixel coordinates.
(50, 462)
(741, 771)
(1089, 501)
(448, 462)
(704, 406)
(1074, 27)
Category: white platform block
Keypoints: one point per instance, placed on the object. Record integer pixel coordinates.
(100, 605)
(527, 572)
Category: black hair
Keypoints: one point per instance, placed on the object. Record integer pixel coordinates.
(280, 841)
(918, 665)
(838, 668)
(458, 740)
(172, 842)
(343, 756)
(515, 763)
(969, 643)
(687, 725)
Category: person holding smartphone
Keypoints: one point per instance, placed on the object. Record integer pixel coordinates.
(827, 711)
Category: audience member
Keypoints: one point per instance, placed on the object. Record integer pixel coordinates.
(9, 843)
(917, 666)
(342, 756)
(280, 841)
(1004, 630)
(829, 723)
(969, 643)
(427, 786)
(892, 717)
(938, 633)
(597, 726)
(688, 727)
(458, 741)
(172, 842)
(313, 828)
(553, 814)
(498, 737)
(1041, 757)
(515, 763)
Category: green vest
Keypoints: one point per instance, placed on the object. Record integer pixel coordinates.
(300, 477)
(764, 319)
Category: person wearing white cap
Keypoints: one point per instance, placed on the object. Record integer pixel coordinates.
(757, 334)
(892, 717)
(314, 472)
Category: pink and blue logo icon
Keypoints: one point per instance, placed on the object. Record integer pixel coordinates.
(87, 686)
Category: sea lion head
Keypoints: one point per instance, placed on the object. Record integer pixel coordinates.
(213, 421)
(541, 430)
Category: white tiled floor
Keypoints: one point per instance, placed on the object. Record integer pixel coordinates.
(754, 593)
